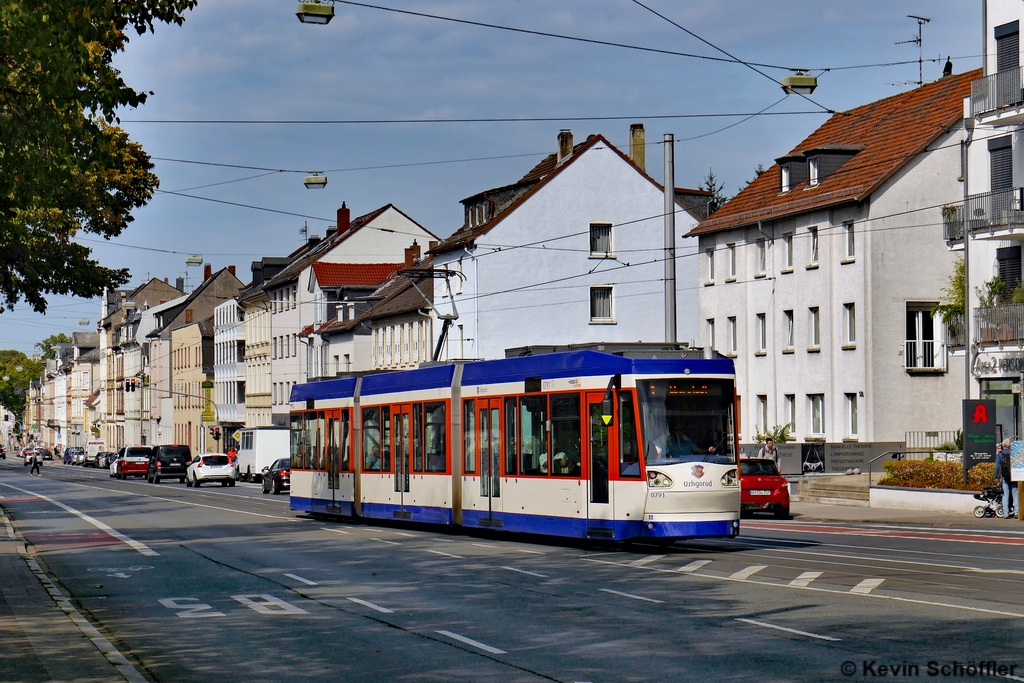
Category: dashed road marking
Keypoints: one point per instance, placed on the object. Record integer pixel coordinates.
(440, 552)
(470, 641)
(364, 603)
(645, 560)
(530, 552)
(693, 566)
(484, 545)
(630, 595)
(791, 630)
(381, 540)
(748, 572)
(401, 533)
(299, 578)
(336, 531)
(804, 579)
(866, 586)
(523, 571)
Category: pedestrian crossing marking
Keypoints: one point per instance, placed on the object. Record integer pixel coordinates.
(693, 566)
(866, 586)
(645, 560)
(748, 572)
(804, 579)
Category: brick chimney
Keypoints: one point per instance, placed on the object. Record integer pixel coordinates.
(638, 145)
(432, 245)
(412, 255)
(564, 144)
(343, 219)
(207, 272)
(231, 269)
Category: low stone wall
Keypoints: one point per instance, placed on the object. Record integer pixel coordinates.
(934, 500)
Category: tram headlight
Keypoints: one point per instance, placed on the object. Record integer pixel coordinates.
(729, 479)
(657, 480)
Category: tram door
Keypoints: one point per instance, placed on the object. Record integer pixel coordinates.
(489, 437)
(401, 417)
(603, 450)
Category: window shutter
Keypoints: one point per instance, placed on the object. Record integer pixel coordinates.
(1001, 165)
(1007, 46)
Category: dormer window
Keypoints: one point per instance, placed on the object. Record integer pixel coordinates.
(812, 172)
(785, 178)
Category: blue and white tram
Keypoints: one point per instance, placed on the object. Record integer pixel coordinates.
(580, 443)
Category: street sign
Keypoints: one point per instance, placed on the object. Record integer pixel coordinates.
(1016, 461)
(979, 433)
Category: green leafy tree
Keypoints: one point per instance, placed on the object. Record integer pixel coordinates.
(952, 306)
(46, 347)
(711, 184)
(67, 168)
(778, 433)
(16, 373)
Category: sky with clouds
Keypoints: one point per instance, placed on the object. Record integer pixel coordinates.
(253, 61)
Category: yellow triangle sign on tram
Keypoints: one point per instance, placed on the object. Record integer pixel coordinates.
(607, 419)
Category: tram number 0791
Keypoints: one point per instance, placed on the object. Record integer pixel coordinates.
(657, 494)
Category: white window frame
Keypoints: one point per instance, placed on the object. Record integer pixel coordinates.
(710, 253)
(790, 329)
(784, 174)
(733, 336)
(814, 246)
(711, 333)
(761, 253)
(762, 414)
(610, 253)
(851, 240)
(813, 172)
(814, 327)
(849, 324)
(816, 413)
(731, 250)
(762, 333)
(787, 241)
(791, 411)
(601, 320)
(851, 416)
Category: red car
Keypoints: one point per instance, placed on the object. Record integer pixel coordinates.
(762, 488)
(132, 461)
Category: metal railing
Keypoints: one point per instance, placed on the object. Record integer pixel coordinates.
(955, 337)
(924, 355)
(999, 324)
(929, 441)
(996, 91)
(892, 455)
(1002, 209)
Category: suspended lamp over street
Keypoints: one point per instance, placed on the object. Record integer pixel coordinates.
(194, 260)
(315, 181)
(800, 83)
(314, 12)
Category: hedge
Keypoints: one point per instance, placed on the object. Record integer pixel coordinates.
(926, 474)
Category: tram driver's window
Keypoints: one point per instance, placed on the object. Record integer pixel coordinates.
(434, 444)
(565, 435)
(296, 441)
(371, 440)
(533, 442)
(629, 452)
(469, 424)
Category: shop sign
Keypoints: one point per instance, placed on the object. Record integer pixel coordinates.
(979, 432)
(987, 364)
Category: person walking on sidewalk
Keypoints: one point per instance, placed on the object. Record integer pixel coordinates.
(36, 462)
(1003, 474)
(768, 451)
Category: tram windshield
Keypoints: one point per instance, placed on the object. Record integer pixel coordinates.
(687, 420)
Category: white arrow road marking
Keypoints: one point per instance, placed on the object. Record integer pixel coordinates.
(299, 578)
(140, 547)
(645, 560)
(693, 566)
(790, 630)
(474, 643)
(364, 603)
(748, 572)
(804, 579)
(866, 586)
(268, 604)
(198, 610)
(629, 595)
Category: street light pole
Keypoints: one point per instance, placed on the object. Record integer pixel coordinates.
(670, 239)
(964, 146)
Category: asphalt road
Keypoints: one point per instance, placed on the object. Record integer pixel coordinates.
(227, 584)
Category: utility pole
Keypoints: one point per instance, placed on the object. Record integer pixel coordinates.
(670, 239)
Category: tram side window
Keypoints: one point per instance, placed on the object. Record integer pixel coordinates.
(629, 453)
(385, 446)
(533, 442)
(296, 441)
(565, 435)
(417, 438)
(371, 440)
(333, 440)
(469, 423)
(308, 440)
(511, 457)
(434, 438)
(346, 445)
(319, 462)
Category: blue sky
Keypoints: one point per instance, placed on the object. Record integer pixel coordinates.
(253, 60)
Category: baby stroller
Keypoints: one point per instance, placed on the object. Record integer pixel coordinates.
(992, 496)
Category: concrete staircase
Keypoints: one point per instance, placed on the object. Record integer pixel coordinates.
(849, 489)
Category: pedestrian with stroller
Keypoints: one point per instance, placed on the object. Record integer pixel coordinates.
(1003, 474)
(37, 460)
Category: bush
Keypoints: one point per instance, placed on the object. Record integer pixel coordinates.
(924, 474)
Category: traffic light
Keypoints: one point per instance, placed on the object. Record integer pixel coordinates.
(130, 385)
(216, 434)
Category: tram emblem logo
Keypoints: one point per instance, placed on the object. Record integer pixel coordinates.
(698, 471)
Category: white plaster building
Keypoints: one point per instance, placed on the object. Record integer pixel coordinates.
(819, 278)
(570, 253)
(229, 368)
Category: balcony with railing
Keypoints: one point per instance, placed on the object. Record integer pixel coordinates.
(999, 325)
(995, 215)
(955, 332)
(999, 98)
(924, 355)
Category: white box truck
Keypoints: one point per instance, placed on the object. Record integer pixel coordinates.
(259, 448)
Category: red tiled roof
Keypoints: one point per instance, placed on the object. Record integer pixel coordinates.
(891, 132)
(353, 274)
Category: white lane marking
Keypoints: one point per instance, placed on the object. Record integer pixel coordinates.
(399, 533)
(791, 630)
(364, 603)
(141, 548)
(645, 560)
(629, 595)
(748, 572)
(804, 579)
(470, 641)
(866, 586)
(867, 558)
(268, 604)
(381, 540)
(531, 552)
(994, 571)
(181, 502)
(439, 552)
(336, 531)
(693, 566)
(299, 578)
(198, 610)
(484, 545)
(523, 571)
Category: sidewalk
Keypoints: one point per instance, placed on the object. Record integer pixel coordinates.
(816, 512)
(38, 640)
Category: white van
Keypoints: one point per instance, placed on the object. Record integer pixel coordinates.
(259, 448)
(94, 446)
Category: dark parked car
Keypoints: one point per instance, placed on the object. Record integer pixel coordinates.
(278, 476)
(169, 461)
(69, 454)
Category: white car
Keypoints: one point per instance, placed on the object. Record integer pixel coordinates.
(210, 467)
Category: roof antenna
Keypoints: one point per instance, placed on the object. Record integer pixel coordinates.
(921, 21)
(304, 231)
